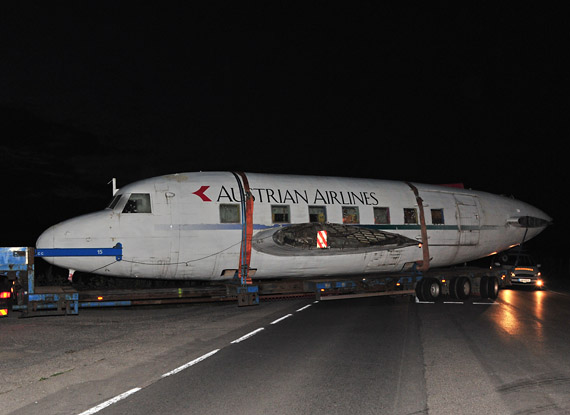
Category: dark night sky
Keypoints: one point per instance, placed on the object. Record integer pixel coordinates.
(95, 90)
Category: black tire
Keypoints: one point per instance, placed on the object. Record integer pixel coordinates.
(431, 289)
(493, 288)
(462, 288)
(484, 287)
(419, 289)
(452, 285)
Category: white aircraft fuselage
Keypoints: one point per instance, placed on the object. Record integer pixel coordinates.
(206, 226)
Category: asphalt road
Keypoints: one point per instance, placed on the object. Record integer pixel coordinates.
(361, 356)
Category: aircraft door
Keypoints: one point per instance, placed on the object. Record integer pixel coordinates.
(441, 233)
(165, 199)
(468, 219)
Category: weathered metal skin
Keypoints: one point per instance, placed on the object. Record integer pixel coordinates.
(190, 226)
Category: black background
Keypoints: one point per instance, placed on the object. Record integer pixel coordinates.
(437, 94)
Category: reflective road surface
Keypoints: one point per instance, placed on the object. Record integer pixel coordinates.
(359, 356)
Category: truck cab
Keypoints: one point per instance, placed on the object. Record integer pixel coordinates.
(517, 269)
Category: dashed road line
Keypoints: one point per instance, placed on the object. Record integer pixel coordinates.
(192, 363)
(248, 335)
(281, 319)
(110, 402)
(458, 302)
(124, 395)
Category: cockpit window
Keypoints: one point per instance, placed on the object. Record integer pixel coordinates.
(138, 203)
(114, 202)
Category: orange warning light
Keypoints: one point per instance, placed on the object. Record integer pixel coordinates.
(99, 298)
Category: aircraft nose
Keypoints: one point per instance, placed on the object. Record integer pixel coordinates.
(76, 232)
(86, 231)
(46, 239)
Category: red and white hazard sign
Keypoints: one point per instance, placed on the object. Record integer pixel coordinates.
(322, 239)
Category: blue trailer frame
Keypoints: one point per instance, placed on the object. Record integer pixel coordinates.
(18, 264)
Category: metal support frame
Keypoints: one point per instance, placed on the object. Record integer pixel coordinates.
(360, 288)
(247, 295)
(34, 301)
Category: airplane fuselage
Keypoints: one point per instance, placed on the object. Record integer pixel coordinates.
(208, 225)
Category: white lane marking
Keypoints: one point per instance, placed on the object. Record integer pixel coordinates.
(453, 302)
(122, 396)
(485, 303)
(248, 335)
(110, 402)
(281, 319)
(192, 363)
(315, 302)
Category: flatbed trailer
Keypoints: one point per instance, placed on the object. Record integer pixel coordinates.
(17, 268)
(17, 272)
(436, 284)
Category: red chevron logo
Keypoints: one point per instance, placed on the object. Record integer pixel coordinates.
(201, 195)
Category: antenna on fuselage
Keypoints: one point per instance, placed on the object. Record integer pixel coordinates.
(114, 181)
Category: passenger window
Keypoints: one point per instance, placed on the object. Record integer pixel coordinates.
(138, 203)
(410, 215)
(437, 217)
(114, 202)
(280, 214)
(317, 214)
(381, 215)
(350, 215)
(230, 214)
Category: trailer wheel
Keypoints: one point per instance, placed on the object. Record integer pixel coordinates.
(461, 288)
(484, 287)
(452, 285)
(431, 289)
(493, 288)
(419, 289)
